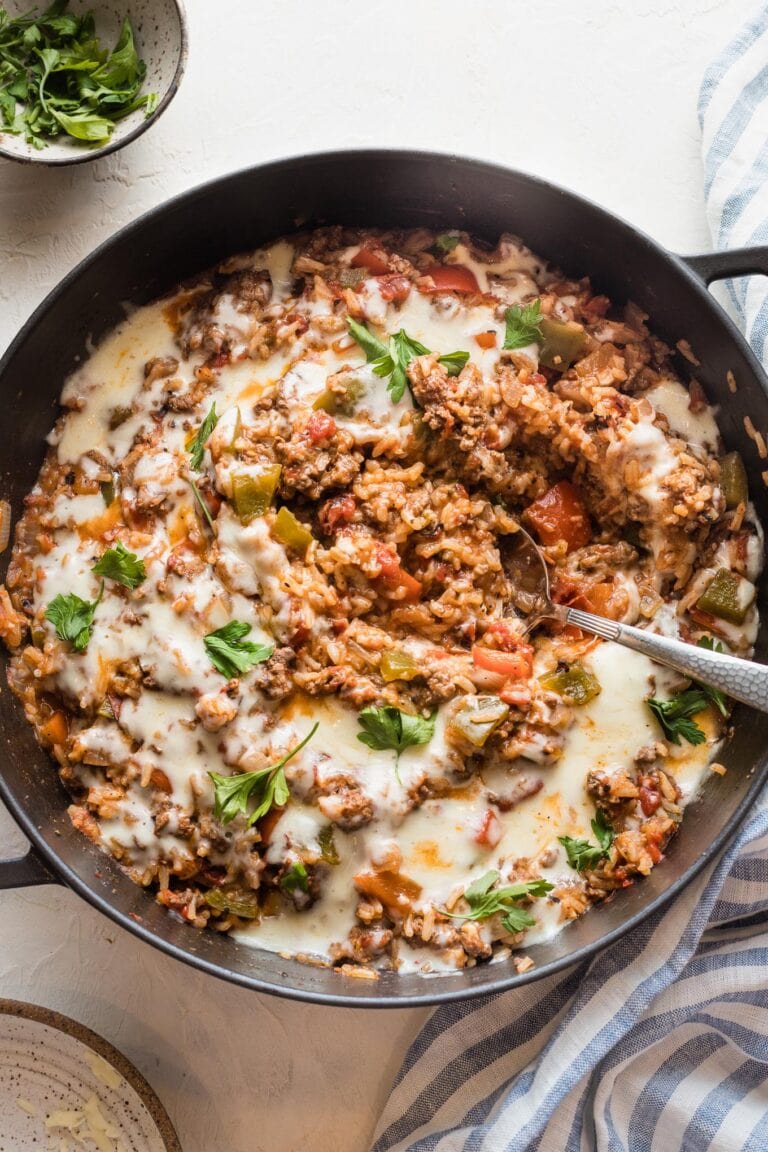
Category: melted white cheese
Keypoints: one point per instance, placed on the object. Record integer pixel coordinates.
(672, 399)
(160, 627)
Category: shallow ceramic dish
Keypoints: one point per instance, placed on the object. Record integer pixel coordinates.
(160, 29)
(52, 1068)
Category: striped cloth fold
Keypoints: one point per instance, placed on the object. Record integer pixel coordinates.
(661, 1042)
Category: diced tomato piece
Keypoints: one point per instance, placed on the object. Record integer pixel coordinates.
(607, 600)
(337, 511)
(560, 514)
(300, 636)
(596, 307)
(320, 426)
(374, 259)
(55, 729)
(396, 288)
(451, 278)
(655, 852)
(649, 798)
(490, 831)
(389, 564)
(412, 587)
(510, 665)
(486, 339)
(395, 577)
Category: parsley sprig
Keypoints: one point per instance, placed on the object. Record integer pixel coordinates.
(196, 449)
(583, 854)
(393, 359)
(388, 728)
(523, 325)
(122, 566)
(674, 715)
(233, 655)
(56, 78)
(197, 443)
(268, 786)
(485, 900)
(72, 617)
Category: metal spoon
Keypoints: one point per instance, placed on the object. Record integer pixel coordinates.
(741, 679)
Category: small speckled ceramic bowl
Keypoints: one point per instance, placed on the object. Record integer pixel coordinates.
(59, 1080)
(160, 31)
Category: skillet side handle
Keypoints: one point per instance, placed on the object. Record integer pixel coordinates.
(26, 871)
(711, 266)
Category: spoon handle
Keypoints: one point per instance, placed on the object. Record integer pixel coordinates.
(741, 679)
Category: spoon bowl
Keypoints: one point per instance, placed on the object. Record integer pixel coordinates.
(528, 573)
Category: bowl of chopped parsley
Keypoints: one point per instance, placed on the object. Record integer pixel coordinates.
(79, 80)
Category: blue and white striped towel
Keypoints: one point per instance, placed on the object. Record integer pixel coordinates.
(659, 1044)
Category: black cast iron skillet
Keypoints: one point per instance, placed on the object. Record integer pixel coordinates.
(383, 188)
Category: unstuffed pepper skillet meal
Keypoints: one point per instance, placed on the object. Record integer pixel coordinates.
(262, 613)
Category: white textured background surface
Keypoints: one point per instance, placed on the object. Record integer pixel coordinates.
(600, 97)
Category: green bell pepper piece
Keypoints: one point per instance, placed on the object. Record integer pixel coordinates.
(397, 665)
(575, 683)
(733, 480)
(476, 722)
(252, 495)
(328, 849)
(727, 596)
(238, 903)
(291, 532)
(563, 342)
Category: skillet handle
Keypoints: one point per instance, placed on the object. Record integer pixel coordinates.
(26, 871)
(711, 266)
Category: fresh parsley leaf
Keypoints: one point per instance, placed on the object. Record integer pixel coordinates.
(393, 360)
(231, 654)
(485, 900)
(714, 695)
(388, 728)
(374, 350)
(602, 830)
(403, 350)
(72, 617)
(201, 503)
(582, 854)
(523, 325)
(453, 362)
(122, 566)
(295, 877)
(446, 242)
(674, 716)
(267, 786)
(85, 126)
(197, 444)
